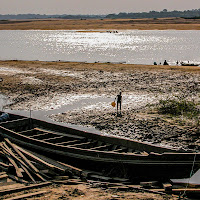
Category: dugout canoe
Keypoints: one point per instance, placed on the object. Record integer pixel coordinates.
(123, 156)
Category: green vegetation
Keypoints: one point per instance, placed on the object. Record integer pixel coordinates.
(156, 14)
(178, 107)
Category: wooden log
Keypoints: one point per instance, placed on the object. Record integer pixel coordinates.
(28, 195)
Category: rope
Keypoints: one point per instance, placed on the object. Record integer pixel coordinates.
(191, 173)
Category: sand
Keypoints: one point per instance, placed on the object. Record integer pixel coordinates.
(102, 24)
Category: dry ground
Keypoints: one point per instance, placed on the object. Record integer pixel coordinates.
(105, 24)
(47, 85)
(51, 85)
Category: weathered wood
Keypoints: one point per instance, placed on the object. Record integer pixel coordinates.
(68, 142)
(30, 166)
(167, 186)
(22, 156)
(61, 177)
(40, 160)
(3, 176)
(79, 144)
(23, 188)
(155, 191)
(68, 182)
(52, 138)
(28, 195)
(74, 170)
(17, 169)
(186, 190)
(99, 177)
(149, 184)
(4, 165)
(28, 173)
(119, 188)
(17, 179)
(58, 133)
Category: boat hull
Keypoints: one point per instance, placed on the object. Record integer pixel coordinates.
(92, 151)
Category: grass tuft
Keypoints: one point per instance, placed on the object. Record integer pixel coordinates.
(178, 107)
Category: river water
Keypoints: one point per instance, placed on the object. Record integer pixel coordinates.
(129, 46)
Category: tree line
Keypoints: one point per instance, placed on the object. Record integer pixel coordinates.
(194, 13)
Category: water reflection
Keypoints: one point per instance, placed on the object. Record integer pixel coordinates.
(134, 46)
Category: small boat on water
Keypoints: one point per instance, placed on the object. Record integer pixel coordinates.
(133, 158)
(189, 64)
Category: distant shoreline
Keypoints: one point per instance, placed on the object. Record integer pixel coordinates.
(101, 24)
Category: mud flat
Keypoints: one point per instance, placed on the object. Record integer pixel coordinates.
(81, 94)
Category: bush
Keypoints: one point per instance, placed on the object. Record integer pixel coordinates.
(178, 107)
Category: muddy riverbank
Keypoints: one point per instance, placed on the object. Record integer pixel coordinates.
(81, 94)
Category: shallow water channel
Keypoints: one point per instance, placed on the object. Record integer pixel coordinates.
(43, 114)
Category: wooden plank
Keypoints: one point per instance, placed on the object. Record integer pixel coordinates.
(3, 176)
(29, 165)
(36, 135)
(80, 144)
(167, 186)
(63, 134)
(74, 170)
(187, 190)
(8, 155)
(28, 195)
(49, 163)
(4, 165)
(149, 184)
(38, 159)
(52, 139)
(23, 188)
(17, 179)
(100, 147)
(31, 131)
(68, 142)
(22, 155)
(28, 173)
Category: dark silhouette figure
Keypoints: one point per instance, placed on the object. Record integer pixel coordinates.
(165, 63)
(119, 103)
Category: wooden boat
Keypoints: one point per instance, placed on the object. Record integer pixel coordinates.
(128, 157)
(189, 64)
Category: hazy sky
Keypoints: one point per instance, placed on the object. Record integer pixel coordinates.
(92, 6)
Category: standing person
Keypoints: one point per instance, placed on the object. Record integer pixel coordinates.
(119, 103)
(165, 63)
